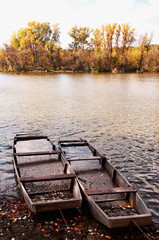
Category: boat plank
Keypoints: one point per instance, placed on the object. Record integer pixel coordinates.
(22, 154)
(109, 200)
(73, 141)
(47, 178)
(29, 137)
(110, 190)
(85, 159)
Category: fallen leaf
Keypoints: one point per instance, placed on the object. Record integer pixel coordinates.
(14, 219)
(42, 230)
(47, 235)
(75, 229)
(56, 229)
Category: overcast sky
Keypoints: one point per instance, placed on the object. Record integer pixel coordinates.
(143, 15)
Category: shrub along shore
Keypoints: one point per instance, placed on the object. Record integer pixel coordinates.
(112, 48)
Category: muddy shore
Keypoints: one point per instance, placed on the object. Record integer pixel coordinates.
(18, 223)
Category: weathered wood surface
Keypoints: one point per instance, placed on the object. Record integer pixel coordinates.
(73, 141)
(47, 178)
(29, 137)
(39, 169)
(85, 159)
(110, 191)
(98, 178)
(109, 200)
(22, 154)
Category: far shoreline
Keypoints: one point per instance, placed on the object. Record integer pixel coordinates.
(82, 72)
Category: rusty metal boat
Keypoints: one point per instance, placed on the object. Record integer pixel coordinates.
(44, 181)
(110, 198)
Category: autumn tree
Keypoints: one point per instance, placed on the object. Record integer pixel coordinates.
(10, 58)
(127, 39)
(105, 38)
(97, 39)
(53, 47)
(37, 46)
(128, 36)
(110, 30)
(34, 35)
(144, 46)
(151, 59)
(117, 35)
(80, 37)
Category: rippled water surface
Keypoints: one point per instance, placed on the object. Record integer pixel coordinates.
(118, 114)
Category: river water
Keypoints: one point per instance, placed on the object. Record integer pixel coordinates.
(117, 113)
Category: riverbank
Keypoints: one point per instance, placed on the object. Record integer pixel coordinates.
(63, 70)
(18, 223)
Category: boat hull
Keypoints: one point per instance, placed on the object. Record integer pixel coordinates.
(33, 167)
(118, 186)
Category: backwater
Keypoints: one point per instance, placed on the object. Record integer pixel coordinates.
(117, 113)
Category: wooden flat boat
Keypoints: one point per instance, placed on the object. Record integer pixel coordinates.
(110, 198)
(44, 181)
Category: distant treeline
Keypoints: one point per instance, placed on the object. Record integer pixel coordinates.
(112, 48)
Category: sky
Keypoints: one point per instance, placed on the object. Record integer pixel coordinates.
(143, 15)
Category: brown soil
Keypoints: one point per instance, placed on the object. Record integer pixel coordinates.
(18, 223)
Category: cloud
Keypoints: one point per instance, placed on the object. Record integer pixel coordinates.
(140, 14)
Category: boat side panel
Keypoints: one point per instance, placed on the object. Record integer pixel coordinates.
(23, 191)
(139, 220)
(56, 205)
(138, 204)
(96, 212)
(27, 198)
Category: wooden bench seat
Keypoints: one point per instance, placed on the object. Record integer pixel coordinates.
(22, 154)
(110, 191)
(29, 137)
(74, 144)
(85, 159)
(47, 178)
(73, 141)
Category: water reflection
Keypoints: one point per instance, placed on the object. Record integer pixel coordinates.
(119, 114)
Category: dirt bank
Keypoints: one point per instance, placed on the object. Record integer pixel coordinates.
(18, 223)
